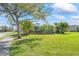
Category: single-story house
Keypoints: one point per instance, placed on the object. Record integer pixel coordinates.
(74, 28)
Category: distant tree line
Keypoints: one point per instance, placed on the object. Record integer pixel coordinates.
(29, 28)
(5, 28)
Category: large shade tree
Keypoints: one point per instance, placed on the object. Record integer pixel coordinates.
(17, 11)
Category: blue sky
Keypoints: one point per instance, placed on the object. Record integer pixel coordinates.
(64, 12)
(61, 12)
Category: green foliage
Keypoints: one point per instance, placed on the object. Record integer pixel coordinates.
(77, 29)
(44, 28)
(26, 26)
(10, 20)
(51, 29)
(47, 28)
(61, 27)
(35, 10)
(17, 11)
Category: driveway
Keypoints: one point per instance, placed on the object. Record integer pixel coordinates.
(2, 34)
(5, 44)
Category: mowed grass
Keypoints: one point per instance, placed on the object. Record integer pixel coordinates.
(1, 38)
(47, 45)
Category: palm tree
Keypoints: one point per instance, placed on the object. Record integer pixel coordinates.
(62, 27)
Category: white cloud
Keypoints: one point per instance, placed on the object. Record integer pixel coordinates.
(75, 17)
(65, 7)
(74, 20)
(60, 17)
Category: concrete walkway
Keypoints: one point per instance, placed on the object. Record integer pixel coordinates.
(5, 44)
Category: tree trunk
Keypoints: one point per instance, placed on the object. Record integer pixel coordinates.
(18, 29)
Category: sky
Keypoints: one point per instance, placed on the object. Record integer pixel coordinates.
(64, 12)
(61, 12)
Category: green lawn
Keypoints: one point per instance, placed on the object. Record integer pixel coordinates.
(47, 45)
(1, 38)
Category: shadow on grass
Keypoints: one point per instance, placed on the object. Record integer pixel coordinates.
(29, 40)
(19, 45)
(4, 48)
(15, 35)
